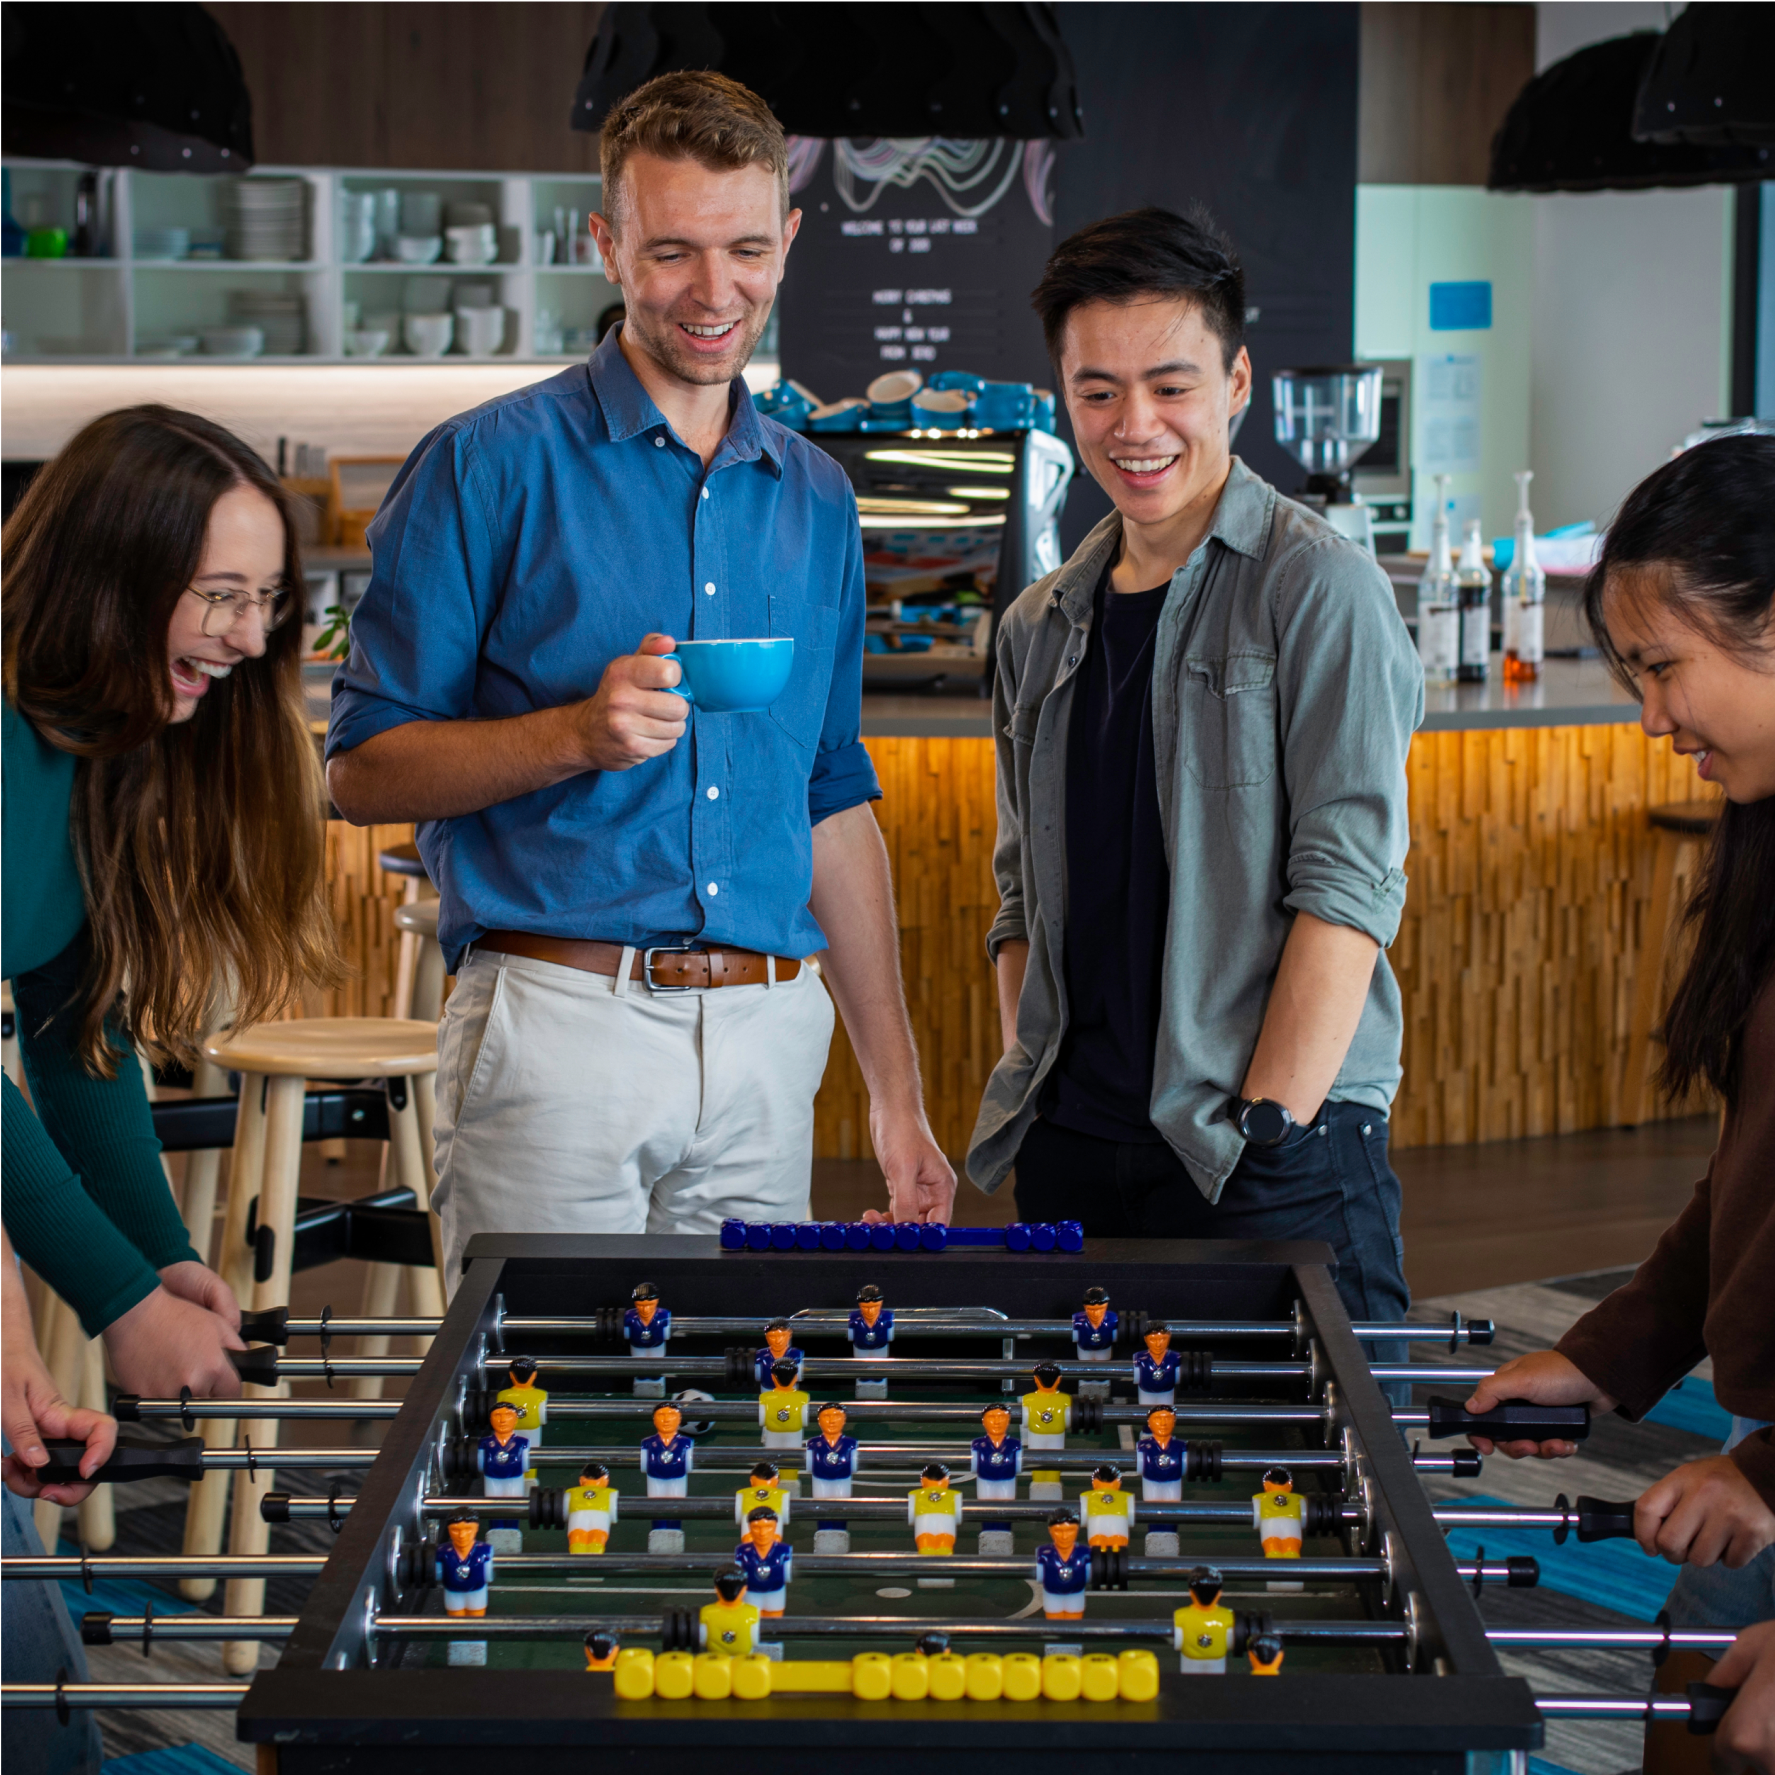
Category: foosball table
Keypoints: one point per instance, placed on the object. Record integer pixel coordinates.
(659, 1495)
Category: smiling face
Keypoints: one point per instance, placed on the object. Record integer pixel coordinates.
(762, 1534)
(1151, 399)
(777, 1342)
(1162, 1424)
(666, 1421)
(1065, 1536)
(997, 1424)
(698, 253)
(1157, 1343)
(243, 551)
(463, 1536)
(832, 1423)
(1717, 706)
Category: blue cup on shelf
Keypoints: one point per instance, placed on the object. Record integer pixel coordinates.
(1005, 406)
(1045, 411)
(961, 380)
(844, 415)
(940, 409)
(787, 404)
(733, 677)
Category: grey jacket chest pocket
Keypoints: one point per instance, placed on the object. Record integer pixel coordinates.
(1226, 719)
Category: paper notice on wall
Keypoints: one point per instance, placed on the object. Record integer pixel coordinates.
(1449, 414)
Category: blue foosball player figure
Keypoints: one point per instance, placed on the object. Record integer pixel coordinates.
(871, 1331)
(1162, 1456)
(777, 1348)
(503, 1459)
(1063, 1569)
(831, 1460)
(1094, 1327)
(766, 1561)
(648, 1327)
(601, 1650)
(1155, 1368)
(1265, 1655)
(666, 1461)
(995, 1459)
(729, 1624)
(1202, 1628)
(782, 1411)
(464, 1566)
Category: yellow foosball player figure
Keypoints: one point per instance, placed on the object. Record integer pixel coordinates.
(1047, 1416)
(762, 1492)
(1107, 1509)
(934, 1511)
(529, 1401)
(601, 1650)
(1265, 1654)
(1278, 1514)
(1202, 1628)
(729, 1623)
(782, 1412)
(591, 1508)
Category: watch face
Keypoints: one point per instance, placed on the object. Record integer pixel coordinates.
(1264, 1123)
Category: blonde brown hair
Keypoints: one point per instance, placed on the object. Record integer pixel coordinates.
(693, 115)
(200, 844)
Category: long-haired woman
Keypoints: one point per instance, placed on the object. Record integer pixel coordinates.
(163, 839)
(1683, 606)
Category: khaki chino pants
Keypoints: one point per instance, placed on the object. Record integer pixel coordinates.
(574, 1103)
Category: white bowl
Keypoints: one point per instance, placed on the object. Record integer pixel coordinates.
(366, 342)
(232, 341)
(479, 331)
(418, 249)
(474, 245)
(428, 335)
(896, 385)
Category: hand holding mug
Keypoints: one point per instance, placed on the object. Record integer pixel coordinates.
(635, 714)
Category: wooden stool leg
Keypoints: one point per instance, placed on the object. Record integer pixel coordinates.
(1648, 971)
(64, 1355)
(428, 984)
(203, 1169)
(98, 1510)
(381, 1300)
(207, 1508)
(410, 1146)
(248, 1532)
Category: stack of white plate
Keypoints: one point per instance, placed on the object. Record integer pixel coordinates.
(162, 243)
(265, 219)
(283, 319)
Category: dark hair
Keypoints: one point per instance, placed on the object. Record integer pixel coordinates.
(461, 1516)
(1046, 1374)
(1699, 534)
(524, 1367)
(200, 843)
(1060, 1518)
(776, 1325)
(763, 1513)
(784, 1371)
(645, 1291)
(595, 1471)
(767, 1468)
(936, 1470)
(1106, 1471)
(1149, 252)
(728, 1585)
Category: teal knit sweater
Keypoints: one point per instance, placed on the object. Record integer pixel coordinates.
(85, 1201)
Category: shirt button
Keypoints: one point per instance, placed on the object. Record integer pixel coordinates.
(710, 588)
(714, 889)
(715, 795)
(705, 493)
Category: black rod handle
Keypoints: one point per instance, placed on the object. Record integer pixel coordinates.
(1601, 1520)
(1515, 1420)
(1707, 1707)
(129, 1461)
(271, 1326)
(257, 1366)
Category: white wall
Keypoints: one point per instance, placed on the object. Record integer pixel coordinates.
(1569, 25)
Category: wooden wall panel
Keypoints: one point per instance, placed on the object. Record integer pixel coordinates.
(1530, 873)
(1436, 82)
(478, 87)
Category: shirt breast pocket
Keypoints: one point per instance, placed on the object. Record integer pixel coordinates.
(801, 710)
(1227, 719)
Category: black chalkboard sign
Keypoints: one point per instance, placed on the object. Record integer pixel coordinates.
(915, 255)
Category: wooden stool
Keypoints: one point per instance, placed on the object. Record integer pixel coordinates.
(404, 860)
(423, 987)
(1676, 827)
(275, 1061)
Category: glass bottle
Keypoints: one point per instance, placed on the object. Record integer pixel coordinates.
(1473, 583)
(1439, 627)
(1524, 594)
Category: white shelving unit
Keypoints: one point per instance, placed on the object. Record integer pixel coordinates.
(119, 309)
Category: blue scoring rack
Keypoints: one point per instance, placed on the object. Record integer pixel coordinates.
(861, 1235)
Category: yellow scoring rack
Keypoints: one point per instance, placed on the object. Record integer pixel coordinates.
(641, 1674)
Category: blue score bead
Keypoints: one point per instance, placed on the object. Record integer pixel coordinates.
(856, 1236)
(757, 1235)
(807, 1236)
(733, 1235)
(832, 1236)
(1071, 1235)
(1017, 1236)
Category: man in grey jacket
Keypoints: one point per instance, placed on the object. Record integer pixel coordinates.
(1202, 722)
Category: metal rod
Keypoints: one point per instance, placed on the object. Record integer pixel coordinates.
(129, 1409)
(163, 1565)
(196, 1626)
(1676, 1639)
(1613, 1707)
(724, 1459)
(179, 1696)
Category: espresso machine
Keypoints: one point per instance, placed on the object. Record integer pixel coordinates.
(1327, 415)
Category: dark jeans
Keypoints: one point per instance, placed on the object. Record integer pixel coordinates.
(1329, 1181)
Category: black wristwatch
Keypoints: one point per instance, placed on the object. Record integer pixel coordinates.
(1262, 1120)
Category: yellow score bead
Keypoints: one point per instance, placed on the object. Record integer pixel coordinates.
(1061, 1677)
(985, 1676)
(634, 1673)
(1139, 1675)
(872, 1676)
(674, 1676)
(949, 1677)
(1099, 1680)
(712, 1677)
(751, 1677)
(1023, 1676)
(911, 1676)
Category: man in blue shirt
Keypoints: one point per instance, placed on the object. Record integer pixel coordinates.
(630, 891)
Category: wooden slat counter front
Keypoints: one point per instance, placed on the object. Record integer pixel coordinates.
(1530, 873)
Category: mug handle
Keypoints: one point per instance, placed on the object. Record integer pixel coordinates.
(682, 687)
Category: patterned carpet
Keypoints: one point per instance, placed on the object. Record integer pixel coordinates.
(1608, 1584)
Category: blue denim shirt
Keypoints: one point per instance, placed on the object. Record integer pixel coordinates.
(525, 545)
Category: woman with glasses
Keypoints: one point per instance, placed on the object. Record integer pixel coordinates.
(164, 835)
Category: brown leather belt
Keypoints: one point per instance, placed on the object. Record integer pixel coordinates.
(663, 969)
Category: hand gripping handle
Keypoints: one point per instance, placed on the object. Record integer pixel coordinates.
(258, 1366)
(1515, 1420)
(129, 1461)
(1707, 1707)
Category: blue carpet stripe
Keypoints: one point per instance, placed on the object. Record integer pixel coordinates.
(186, 1759)
(1690, 1405)
(118, 1596)
(1612, 1574)
(1536, 1766)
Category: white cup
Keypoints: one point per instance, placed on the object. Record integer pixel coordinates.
(366, 342)
(477, 244)
(428, 335)
(479, 331)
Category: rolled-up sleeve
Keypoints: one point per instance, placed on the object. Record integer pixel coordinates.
(416, 633)
(1352, 694)
(1010, 925)
(843, 774)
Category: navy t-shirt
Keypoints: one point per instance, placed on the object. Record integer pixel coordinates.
(1118, 883)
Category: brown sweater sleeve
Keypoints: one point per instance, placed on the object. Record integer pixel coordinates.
(1640, 1341)
(1755, 1457)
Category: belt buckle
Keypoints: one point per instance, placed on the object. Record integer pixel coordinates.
(647, 956)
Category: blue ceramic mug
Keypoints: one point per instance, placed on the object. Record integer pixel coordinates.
(733, 677)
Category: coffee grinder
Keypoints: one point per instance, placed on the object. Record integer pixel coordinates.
(1326, 416)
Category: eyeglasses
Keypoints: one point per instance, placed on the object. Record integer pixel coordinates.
(225, 609)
